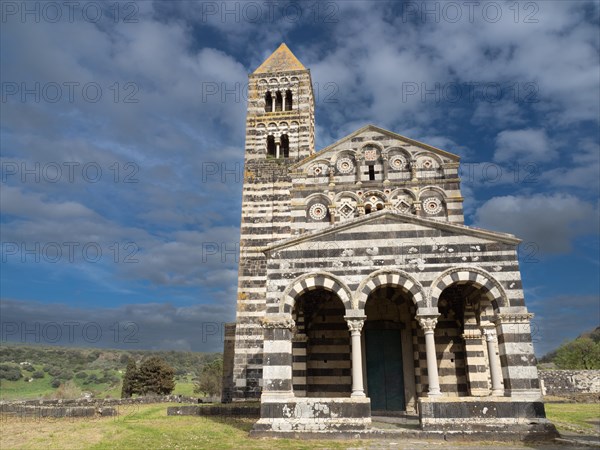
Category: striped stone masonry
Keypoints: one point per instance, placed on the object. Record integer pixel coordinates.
(366, 238)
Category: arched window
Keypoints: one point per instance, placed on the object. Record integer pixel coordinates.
(285, 146)
(278, 101)
(270, 146)
(288, 100)
(268, 102)
(367, 209)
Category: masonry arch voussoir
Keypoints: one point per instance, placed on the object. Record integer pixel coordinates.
(489, 286)
(393, 277)
(312, 281)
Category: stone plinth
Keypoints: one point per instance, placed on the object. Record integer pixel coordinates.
(483, 414)
(313, 415)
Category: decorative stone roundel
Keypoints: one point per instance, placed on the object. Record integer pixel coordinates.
(345, 165)
(432, 205)
(427, 164)
(318, 211)
(398, 162)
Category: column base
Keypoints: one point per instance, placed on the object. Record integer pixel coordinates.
(358, 394)
(497, 392)
(434, 393)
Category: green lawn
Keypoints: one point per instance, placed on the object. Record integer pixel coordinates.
(148, 426)
(41, 388)
(575, 417)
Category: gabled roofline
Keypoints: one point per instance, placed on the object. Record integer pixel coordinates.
(371, 127)
(505, 238)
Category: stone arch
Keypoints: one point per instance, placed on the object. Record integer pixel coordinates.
(428, 154)
(312, 281)
(437, 189)
(407, 191)
(489, 286)
(375, 144)
(350, 194)
(392, 277)
(342, 154)
(317, 196)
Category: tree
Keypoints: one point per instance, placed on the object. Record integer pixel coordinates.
(582, 353)
(129, 379)
(155, 376)
(210, 380)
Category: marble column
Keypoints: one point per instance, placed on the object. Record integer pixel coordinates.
(428, 324)
(355, 325)
(494, 361)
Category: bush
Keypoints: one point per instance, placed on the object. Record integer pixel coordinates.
(38, 374)
(28, 367)
(55, 383)
(53, 371)
(10, 373)
(210, 380)
(81, 375)
(581, 353)
(65, 375)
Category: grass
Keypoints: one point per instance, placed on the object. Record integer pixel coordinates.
(185, 386)
(143, 426)
(148, 426)
(40, 387)
(577, 417)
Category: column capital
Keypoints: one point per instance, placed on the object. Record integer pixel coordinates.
(428, 323)
(278, 321)
(355, 324)
(490, 334)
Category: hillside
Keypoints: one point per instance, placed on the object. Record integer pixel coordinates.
(28, 371)
(549, 358)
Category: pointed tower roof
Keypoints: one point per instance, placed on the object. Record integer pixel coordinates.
(281, 60)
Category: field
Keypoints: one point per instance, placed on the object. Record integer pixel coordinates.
(148, 426)
(62, 372)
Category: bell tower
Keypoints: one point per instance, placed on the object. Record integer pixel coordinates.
(280, 129)
(281, 110)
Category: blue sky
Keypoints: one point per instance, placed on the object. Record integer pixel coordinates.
(123, 132)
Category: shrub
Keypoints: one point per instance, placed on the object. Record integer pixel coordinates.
(38, 374)
(81, 375)
(10, 373)
(55, 383)
(210, 380)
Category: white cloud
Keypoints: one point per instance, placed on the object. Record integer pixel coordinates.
(550, 221)
(532, 145)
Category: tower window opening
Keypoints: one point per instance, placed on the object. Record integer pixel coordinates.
(285, 145)
(367, 209)
(371, 172)
(288, 100)
(278, 101)
(271, 147)
(379, 206)
(268, 102)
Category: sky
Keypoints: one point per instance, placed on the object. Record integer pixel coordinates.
(122, 145)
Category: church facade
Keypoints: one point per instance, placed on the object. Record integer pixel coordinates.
(361, 291)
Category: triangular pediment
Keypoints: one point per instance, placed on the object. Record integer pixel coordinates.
(281, 60)
(393, 218)
(373, 131)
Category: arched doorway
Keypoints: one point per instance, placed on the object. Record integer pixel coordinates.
(462, 351)
(321, 346)
(388, 362)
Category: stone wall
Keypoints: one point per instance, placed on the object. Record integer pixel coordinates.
(567, 383)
